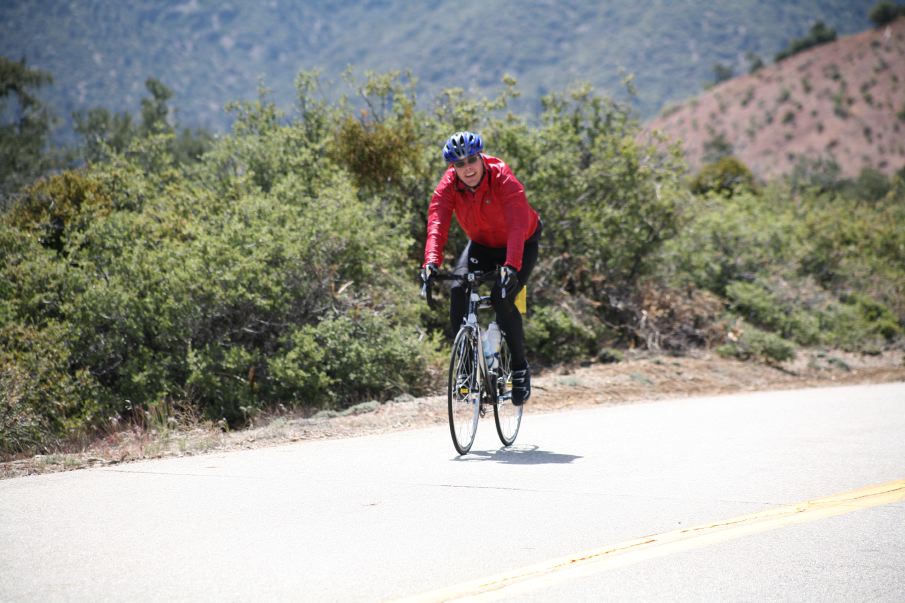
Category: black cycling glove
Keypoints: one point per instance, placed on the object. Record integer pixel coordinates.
(509, 281)
(429, 272)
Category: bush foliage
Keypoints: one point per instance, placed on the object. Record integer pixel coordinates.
(725, 175)
(278, 266)
(818, 34)
(885, 12)
(814, 267)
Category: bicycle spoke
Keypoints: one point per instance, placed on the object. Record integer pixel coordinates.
(464, 391)
(507, 416)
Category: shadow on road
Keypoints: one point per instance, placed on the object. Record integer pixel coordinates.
(519, 455)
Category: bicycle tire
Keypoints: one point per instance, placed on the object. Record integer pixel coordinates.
(465, 390)
(506, 415)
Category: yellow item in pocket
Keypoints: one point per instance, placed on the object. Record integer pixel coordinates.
(521, 301)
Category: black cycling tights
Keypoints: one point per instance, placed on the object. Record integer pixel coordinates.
(478, 257)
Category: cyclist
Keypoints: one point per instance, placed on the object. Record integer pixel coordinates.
(502, 229)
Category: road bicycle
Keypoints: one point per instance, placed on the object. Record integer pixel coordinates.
(478, 380)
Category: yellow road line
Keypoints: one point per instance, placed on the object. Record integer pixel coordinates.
(648, 547)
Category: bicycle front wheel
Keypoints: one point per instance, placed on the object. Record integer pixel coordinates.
(464, 390)
(506, 415)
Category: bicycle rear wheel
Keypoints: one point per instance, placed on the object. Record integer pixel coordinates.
(464, 390)
(506, 415)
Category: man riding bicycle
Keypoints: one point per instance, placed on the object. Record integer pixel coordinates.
(502, 229)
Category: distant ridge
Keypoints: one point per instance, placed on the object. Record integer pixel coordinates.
(842, 101)
(100, 53)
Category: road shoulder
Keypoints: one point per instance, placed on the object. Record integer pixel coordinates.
(640, 377)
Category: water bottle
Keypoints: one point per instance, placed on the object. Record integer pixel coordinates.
(492, 345)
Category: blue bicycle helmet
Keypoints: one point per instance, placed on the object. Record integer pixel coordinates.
(461, 145)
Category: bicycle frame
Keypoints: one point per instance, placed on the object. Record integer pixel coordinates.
(493, 387)
(478, 302)
(475, 302)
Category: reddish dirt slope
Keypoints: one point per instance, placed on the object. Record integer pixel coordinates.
(844, 100)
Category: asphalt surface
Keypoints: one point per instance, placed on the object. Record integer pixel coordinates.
(401, 515)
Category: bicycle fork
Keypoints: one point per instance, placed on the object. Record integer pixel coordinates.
(483, 379)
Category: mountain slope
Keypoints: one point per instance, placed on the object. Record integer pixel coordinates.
(843, 101)
(209, 53)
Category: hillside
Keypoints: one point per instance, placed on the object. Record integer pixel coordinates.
(277, 271)
(209, 53)
(843, 101)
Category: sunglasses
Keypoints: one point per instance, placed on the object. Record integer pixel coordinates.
(470, 161)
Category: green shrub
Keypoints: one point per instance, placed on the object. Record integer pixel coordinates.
(611, 201)
(26, 124)
(871, 185)
(49, 206)
(201, 319)
(717, 148)
(47, 397)
(164, 288)
(760, 307)
(554, 334)
(885, 12)
(610, 356)
(855, 246)
(734, 239)
(23, 426)
(758, 345)
(859, 323)
(725, 176)
(823, 174)
(722, 73)
(374, 152)
(785, 261)
(380, 144)
(818, 34)
(347, 359)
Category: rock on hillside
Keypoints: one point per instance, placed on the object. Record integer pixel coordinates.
(844, 101)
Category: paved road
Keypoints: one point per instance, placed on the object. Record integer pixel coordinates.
(393, 516)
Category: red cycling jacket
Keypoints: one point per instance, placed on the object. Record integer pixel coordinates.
(496, 214)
